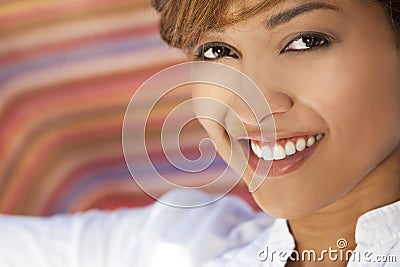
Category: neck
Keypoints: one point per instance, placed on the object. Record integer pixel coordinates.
(324, 228)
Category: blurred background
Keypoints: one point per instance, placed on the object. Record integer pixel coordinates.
(68, 69)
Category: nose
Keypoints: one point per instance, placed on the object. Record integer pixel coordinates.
(278, 99)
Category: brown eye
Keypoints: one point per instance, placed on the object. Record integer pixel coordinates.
(308, 41)
(214, 52)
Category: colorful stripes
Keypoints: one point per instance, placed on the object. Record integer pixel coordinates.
(68, 70)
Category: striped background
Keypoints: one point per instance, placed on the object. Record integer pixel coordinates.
(68, 70)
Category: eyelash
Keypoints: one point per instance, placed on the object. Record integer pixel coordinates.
(202, 50)
(322, 39)
(319, 40)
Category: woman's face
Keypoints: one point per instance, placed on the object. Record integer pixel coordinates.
(328, 69)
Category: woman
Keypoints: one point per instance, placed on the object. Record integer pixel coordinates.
(330, 72)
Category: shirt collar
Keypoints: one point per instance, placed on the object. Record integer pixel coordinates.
(280, 236)
(379, 226)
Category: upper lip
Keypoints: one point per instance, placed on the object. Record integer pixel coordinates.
(272, 137)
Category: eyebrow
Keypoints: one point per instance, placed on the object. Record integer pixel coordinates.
(287, 15)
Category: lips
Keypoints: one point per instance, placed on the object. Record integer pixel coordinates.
(285, 155)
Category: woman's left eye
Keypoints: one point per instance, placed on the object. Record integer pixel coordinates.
(307, 42)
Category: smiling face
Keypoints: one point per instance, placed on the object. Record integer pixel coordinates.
(330, 73)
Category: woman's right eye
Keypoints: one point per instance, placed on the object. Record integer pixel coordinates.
(214, 52)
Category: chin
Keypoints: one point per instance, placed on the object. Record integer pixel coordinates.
(284, 212)
(291, 208)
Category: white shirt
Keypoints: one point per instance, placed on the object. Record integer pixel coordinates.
(225, 233)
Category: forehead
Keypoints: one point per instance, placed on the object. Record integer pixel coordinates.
(278, 13)
(275, 5)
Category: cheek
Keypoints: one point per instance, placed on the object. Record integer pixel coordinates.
(355, 89)
(362, 106)
(211, 104)
(223, 115)
(360, 102)
(357, 96)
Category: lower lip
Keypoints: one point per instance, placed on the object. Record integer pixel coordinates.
(284, 166)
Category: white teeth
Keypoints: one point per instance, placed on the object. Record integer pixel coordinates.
(301, 144)
(267, 153)
(259, 151)
(310, 141)
(256, 149)
(290, 148)
(279, 152)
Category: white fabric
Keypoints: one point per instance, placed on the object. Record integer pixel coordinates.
(225, 233)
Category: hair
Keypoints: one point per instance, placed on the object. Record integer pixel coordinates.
(183, 22)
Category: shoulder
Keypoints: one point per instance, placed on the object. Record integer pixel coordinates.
(219, 216)
(229, 209)
(157, 235)
(200, 233)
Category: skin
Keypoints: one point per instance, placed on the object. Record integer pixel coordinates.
(349, 90)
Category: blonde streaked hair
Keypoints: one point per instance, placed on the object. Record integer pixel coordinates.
(183, 22)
